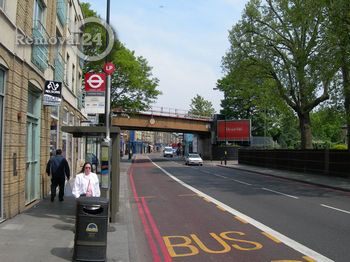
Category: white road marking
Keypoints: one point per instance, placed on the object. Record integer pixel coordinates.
(218, 175)
(280, 193)
(286, 240)
(244, 183)
(338, 209)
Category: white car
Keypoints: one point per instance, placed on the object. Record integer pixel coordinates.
(168, 151)
(193, 159)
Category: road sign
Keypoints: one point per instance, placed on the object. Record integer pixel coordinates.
(52, 93)
(95, 82)
(109, 68)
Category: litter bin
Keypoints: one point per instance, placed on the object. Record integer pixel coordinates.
(90, 241)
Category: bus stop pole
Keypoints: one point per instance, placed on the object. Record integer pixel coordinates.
(115, 178)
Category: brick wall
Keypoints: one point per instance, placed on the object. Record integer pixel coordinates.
(15, 117)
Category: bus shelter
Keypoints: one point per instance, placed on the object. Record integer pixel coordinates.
(113, 166)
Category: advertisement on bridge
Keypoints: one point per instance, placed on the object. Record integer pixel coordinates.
(233, 130)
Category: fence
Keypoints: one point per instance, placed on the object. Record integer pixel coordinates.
(322, 162)
(218, 153)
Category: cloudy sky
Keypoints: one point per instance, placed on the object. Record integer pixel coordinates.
(183, 40)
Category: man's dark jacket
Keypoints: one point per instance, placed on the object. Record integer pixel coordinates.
(58, 168)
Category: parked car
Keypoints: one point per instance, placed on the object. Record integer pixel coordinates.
(193, 159)
(168, 151)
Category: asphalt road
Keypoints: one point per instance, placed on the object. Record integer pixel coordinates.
(315, 217)
(220, 214)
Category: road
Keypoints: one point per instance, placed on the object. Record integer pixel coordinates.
(211, 213)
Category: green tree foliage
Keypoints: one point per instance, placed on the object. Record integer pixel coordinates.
(286, 40)
(201, 107)
(285, 130)
(327, 125)
(339, 31)
(133, 88)
(247, 95)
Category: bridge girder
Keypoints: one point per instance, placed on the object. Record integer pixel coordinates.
(147, 122)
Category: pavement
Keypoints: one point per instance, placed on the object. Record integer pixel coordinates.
(45, 231)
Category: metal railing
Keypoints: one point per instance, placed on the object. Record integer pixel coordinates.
(40, 50)
(173, 112)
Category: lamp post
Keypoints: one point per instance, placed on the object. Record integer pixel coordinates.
(108, 88)
(225, 151)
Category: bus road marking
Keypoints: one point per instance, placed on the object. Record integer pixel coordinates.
(308, 259)
(274, 239)
(206, 199)
(221, 208)
(286, 240)
(241, 220)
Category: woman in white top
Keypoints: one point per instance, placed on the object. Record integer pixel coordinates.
(86, 183)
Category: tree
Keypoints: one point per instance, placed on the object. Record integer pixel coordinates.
(133, 86)
(339, 31)
(247, 95)
(201, 107)
(287, 41)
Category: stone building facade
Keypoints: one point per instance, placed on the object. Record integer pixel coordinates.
(28, 128)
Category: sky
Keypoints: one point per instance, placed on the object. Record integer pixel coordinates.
(183, 41)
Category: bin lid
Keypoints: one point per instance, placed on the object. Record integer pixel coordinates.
(92, 201)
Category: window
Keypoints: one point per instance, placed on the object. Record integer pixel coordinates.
(65, 117)
(54, 112)
(2, 93)
(73, 78)
(38, 12)
(2, 81)
(40, 53)
(33, 103)
(71, 119)
(67, 70)
(61, 9)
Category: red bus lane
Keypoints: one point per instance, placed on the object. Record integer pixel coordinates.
(181, 225)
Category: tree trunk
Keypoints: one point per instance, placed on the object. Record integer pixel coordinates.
(305, 130)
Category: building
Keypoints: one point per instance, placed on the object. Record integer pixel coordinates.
(28, 128)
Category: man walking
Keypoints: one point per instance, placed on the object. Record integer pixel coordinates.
(58, 168)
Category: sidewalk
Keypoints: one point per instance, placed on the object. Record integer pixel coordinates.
(45, 232)
(338, 183)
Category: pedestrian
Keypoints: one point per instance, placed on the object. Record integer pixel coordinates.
(57, 167)
(86, 183)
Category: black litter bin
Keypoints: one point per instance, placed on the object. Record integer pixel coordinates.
(90, 242)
